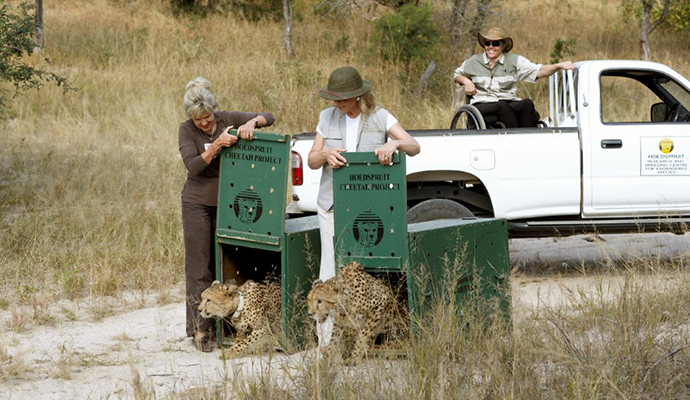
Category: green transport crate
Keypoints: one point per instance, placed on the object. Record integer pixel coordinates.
(458, 259)
(254, 240)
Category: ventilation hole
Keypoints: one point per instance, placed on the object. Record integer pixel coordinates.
(392, 209)
(371, 254)
(349, 254)
(392, 254)
(230, 205)
(232, 184)
(229, 227)
(249, 230)
(268, 233)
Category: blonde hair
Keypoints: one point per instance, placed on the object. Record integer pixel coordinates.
(198, 100)
(367, 103)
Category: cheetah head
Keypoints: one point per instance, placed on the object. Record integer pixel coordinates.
(322, 300)
(219, 300)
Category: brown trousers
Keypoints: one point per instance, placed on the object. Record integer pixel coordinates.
(199, 229)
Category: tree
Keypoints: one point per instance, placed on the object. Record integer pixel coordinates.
(406, 36)
(38, 44)
(467, 19)
(646, 10)
(17, 40)
(287, 37)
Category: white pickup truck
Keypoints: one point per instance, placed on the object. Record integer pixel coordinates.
(613, 156)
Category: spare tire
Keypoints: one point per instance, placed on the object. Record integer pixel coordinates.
(433, 209)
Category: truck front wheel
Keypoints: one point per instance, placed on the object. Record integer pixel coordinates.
(433, 209)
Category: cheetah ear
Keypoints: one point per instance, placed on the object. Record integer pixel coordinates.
(316, 283)
(215, 283)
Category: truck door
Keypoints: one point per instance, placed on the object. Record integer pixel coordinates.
(636, 148)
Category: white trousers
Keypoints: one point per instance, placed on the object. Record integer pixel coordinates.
(324, 330)
(326, 230)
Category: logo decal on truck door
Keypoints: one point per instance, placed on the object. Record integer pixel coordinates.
(664, 156)
(666, 145)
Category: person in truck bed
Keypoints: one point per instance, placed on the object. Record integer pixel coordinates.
(492, 77)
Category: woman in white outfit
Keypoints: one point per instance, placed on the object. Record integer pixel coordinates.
(353, 124)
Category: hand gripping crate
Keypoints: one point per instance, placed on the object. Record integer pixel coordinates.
(457, 260)
(253, 238)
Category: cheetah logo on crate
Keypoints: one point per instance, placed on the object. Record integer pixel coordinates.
(368, 229)
(248, 207)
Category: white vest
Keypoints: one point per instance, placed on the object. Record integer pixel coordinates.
(370, 136)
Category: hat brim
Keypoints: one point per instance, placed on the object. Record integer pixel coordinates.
(331, 95)
(508, 41)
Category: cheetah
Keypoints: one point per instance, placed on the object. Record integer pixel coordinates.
(358, 303)
(253, 309)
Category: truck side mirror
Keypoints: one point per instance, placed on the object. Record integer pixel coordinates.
(659, 112)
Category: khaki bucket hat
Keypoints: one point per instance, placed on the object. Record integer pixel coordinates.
(345, 83)
(496, 34)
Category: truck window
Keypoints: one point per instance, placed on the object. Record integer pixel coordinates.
(625, 100)
(628, 96)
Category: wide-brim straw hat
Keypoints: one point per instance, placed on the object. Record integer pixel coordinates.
(496, 34)
(345, 83)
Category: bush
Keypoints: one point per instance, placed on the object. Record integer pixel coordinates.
(16, 40)
(406, 37)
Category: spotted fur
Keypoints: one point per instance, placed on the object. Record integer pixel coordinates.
(359, 304)
(255, 322)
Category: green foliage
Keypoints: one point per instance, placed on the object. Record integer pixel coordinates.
(256, 10)
(678, 17)
(190, 7)
(17, 40)
(397, 3)
(407, 36)
(562, 47)
(252, 10)
(332, 8)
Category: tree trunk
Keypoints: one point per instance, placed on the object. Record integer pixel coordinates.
(483, 7)
(648, 26)
(457, 22)
(424, 81)
(38, 42)
(287, 37)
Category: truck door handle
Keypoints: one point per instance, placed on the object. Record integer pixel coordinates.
(611, 144)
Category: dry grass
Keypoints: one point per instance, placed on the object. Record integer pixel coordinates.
(91, 179)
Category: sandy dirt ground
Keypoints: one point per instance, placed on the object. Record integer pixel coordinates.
(92, 351)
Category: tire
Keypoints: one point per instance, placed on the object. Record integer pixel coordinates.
(473, 118)
(433, 209)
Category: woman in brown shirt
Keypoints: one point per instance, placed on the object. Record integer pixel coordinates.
(201, 139)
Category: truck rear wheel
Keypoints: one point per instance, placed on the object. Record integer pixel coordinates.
(433, 209)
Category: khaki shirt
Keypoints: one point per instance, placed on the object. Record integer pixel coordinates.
(499, 82)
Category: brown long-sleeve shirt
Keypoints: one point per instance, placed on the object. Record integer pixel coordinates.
(201, 186)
